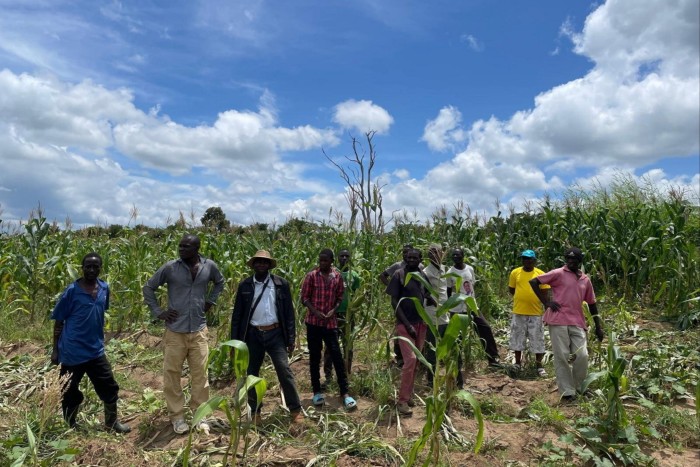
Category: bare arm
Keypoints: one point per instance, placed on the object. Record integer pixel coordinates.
(542, 295)
(57, 330)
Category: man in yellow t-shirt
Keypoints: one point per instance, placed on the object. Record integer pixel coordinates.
(526, 323)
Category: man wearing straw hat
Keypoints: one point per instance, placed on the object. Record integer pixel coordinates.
(263, 318)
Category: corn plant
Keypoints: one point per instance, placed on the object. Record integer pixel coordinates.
(444, 383)
(244, 382)
(611, 436)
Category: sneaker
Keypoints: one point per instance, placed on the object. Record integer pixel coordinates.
(203, 426)
(180, 427)
(404, 409)
(542, 372)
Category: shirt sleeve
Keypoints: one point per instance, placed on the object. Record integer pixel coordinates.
(589, 295)
(548, 277)
(62, 309)
(394, 287)
(219, 283)
(306, 289)
(512, 280)
(149, 290)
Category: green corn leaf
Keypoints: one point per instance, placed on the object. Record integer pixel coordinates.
(207, 408)
(467, 396)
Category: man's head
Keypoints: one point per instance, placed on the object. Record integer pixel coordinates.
(92, 266)
(412, 259)
(458, 256)
(573, 257)
(435, 255)
(262, 262)
(325, 260)
(406, 248)
(343, 259)
(188, 247)
(529, 259)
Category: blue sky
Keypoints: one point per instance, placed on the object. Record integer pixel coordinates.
(113, 107)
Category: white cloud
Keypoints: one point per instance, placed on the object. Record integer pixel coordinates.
(639, 104)
(362, 116)
(472, 42)
(444, 131)
(75, 134)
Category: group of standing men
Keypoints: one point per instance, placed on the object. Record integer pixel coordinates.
(561, 291)
(263, 317)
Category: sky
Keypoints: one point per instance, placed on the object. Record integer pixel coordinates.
(132, 112)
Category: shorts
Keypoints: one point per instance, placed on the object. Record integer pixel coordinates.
(526, 328)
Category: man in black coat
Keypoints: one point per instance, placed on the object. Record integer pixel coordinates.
(263, 318)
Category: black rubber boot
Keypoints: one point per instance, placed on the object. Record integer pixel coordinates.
(111, 420)
(69, 415)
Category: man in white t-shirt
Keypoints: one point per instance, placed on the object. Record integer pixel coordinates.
(480, 324)
(435, 272)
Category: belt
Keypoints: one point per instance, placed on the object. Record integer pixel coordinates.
(269, 327)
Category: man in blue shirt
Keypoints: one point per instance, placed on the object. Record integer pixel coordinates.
(79, 343)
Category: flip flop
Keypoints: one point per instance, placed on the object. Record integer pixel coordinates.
(349, 403)
(318, 399)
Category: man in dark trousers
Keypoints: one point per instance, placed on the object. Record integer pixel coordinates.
(263, 318)
(482, 327)
(79, 343)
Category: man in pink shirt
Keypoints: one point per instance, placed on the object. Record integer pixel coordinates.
(567, 326)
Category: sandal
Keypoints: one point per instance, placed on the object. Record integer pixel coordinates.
(318, 399)
(349, 403)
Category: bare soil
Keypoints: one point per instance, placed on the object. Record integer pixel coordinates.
(511, 443)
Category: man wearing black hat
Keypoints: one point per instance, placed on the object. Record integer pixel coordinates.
(263, 318)
(567, 324)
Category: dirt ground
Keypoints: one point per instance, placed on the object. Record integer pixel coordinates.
(505, 443)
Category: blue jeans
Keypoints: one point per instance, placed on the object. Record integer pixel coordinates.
(317, 337)
(273, 343)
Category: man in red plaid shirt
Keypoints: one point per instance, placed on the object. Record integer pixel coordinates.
(322, 293)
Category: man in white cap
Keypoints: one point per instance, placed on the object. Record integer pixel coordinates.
(263, 318)
(526, 323)
(567, 325)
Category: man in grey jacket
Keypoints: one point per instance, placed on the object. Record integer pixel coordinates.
(185, 335)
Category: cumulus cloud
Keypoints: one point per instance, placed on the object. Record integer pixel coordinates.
(639, 104)
(624, 112)
(444, 132)
(362, 116)
(95, 150)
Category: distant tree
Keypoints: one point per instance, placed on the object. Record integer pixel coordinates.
(215, 219)
(364, 195)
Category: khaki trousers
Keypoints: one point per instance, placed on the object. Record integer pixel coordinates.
(178, 347)
(567, 341)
